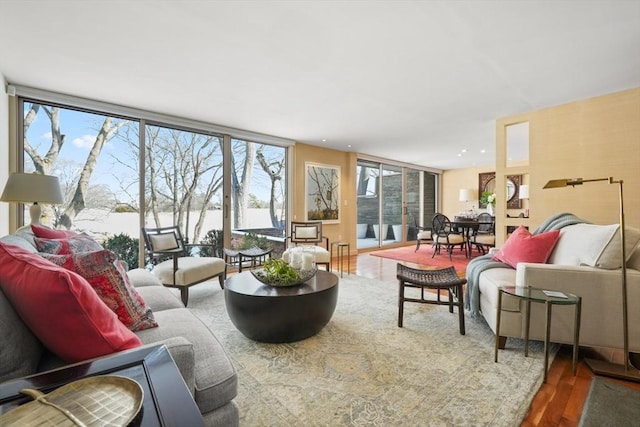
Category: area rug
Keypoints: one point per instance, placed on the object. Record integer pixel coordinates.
(610, 404)
(422, 257)
(362, 370)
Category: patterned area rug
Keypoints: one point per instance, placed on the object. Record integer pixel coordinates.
(362, 370)
(423, 257)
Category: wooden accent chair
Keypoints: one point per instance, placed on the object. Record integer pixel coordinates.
(174, 264)
(309, 234)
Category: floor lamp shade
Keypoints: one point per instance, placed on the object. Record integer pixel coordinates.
(32, 188)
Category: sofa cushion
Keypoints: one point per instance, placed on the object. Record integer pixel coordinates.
(60, 307)
(159, 298)
(105, 274)
(522, 246)
(611, 256)
(582, 244)
(20, 350)
(67, 245)
(50, 233)
(215, 377)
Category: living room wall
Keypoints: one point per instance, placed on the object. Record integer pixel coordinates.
(4, 156)
(345, 230)
(593, 138)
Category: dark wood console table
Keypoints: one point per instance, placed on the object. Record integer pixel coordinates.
(167, 401)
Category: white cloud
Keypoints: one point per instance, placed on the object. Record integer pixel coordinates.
(85, 141)
(47, 136)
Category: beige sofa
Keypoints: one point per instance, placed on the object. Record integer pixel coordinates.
(583, 263)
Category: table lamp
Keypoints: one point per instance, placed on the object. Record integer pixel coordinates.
(32, 188)
(626, 371)
(523, 194)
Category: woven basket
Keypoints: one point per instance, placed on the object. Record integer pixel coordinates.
(106, 400)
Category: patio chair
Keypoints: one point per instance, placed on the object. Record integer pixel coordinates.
(174, 264)
(445, 235)
(309, 234)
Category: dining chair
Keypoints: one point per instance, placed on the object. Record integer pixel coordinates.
(444, 235)
(423, 235)
(484, 236)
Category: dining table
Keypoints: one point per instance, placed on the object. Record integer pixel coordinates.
(468, 226)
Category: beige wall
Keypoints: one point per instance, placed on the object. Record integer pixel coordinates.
(345, 230)
(4, 156)
(593, 138)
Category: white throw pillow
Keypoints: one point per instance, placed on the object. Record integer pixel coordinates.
(611, 256)
(582, 244)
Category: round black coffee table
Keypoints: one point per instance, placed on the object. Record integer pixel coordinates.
(280, 314)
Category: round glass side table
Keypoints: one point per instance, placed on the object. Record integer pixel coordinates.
(549, 299)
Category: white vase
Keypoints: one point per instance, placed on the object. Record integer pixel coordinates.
(490, 209)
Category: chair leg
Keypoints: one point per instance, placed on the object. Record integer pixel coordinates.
(184, 295)
(221, 280)
(461, 308)
(400, 303)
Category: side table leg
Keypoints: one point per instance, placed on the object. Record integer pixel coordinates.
(495, 357)
(546, 339)
(576, 335)
(527, 324)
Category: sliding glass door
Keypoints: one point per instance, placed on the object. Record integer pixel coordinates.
(393, 202)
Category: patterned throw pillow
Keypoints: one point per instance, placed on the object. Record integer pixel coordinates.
(50, 233)
(105, 274)
(67, 245)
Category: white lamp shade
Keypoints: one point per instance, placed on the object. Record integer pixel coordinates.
(32, 187)
(466, 194)
(524, 192)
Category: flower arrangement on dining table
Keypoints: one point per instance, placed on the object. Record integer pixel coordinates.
(488, 198)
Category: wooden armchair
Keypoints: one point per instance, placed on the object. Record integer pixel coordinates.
(309, 234)
(174, 264)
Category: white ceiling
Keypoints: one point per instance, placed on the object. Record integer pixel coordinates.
(413, 81)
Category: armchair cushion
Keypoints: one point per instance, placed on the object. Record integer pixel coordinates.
(164, 241)
(522, 246)
(190, 270)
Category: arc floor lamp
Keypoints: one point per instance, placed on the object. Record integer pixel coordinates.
(626, 371)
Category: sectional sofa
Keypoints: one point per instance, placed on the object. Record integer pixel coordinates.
(204, 364)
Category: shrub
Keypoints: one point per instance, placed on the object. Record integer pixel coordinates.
(251, 240)
(126, 247)
(215, 238)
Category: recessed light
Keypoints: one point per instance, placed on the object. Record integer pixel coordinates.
(349, 146)
(459, 155)
(483, 151)
(324, 140)
(464, 150)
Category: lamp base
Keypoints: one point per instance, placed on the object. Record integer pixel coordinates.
(609, 369)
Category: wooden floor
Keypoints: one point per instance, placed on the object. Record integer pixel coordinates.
(559, 402)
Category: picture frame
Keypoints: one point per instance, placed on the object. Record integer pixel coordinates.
(322, 193)
(486, 182)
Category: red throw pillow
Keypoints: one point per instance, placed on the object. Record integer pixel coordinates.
(49, 233)
(522, 246)
(60, 307)
(105, 274)
(67, 245)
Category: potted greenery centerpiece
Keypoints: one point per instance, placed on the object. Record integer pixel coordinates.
(488, 198)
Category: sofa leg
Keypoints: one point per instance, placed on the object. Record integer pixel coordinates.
(502, 343)
(634, 358)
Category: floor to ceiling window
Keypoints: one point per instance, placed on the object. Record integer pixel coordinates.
(97, 158)
(393, 201)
